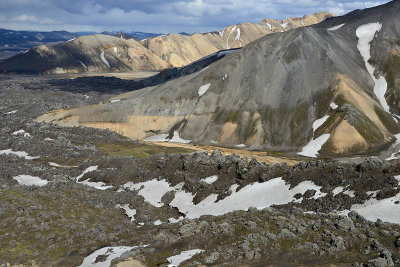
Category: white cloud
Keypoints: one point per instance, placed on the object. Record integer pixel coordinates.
(159, 15)
(24, 18)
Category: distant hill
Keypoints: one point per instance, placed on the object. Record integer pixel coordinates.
(15, 42)
(144, 35)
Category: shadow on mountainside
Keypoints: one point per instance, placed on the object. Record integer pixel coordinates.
(116, 85)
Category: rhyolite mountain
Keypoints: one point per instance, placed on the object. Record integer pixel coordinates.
(180, 50)
(157, 53)
(93, 53)
(312, 85)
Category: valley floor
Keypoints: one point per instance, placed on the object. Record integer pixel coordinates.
(90, 197)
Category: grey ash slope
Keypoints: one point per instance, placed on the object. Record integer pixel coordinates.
(268, 94)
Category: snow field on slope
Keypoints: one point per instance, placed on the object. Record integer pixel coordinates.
(210, 180)
(314, 146)
(104, 60)
(259, 195)
(110, 252)
(203, 89)
(22, 132)
(164, 138)
(336, 27)
(128, 211)
(30, 180)
(366, 34)
(318, 123)
(21, 154)
(183, 256)
(96, 185)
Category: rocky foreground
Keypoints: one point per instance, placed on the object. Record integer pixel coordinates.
(66, 193)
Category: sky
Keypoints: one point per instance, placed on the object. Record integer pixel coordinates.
(158, 16)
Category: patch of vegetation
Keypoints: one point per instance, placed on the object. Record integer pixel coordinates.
(211, 77)
(331, 123)
(44, 228)
(299, 123)
(232, 117)
(387, 120)
(392, 71)
(368, 130)
(139, 150)
(322, 100)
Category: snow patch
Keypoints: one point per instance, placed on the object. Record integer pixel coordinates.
(350, 193)
(210, 180)
(269, 27)
(158, 222)
(318, 123)
(164, 138)
(237, 35)
(173, 220)
(22, 132)
(314, 146)
(338, 190)
(128, 211)
(396, 143)
(184, 256)
(104, 60)
(30, 180)
(384, 209)
(203, 89)
(96, 185)
(336, 27)
(115, 49)
(115, 100)
(366, 34)
(53, 164)
(110, 253)
(12, 112)
(259, 195)
(83, 65)
(152, 191)
(227, 40)
(284, 26)
(157, 138)
(333, 106)
(21, 154)
(240, 146)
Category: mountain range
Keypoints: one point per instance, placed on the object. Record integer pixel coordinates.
(304, 90)
(15, 42)
(109, 53)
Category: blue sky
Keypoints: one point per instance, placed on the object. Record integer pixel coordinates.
(160, 16)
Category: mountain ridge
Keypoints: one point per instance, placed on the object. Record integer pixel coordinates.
(268, 93)
(176, 50)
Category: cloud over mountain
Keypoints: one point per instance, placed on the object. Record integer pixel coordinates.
(156, 15)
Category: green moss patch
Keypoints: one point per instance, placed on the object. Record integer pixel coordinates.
(139, 150)
(232, 117)
(387, 120)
